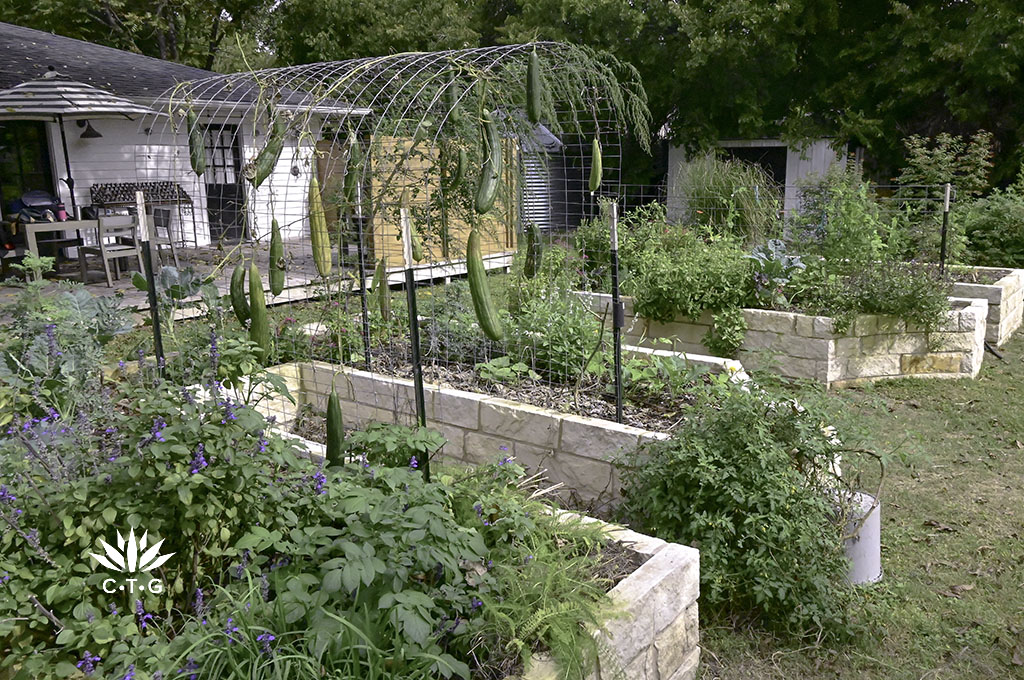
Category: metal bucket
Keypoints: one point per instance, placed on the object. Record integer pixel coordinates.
(864, 547)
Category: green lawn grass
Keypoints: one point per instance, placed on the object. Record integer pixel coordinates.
(951, 603)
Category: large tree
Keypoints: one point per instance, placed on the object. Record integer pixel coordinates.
(192, 32)
(327, 30)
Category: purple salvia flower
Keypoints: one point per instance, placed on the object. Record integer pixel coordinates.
(130, 675)
(265, 639)
(141, 617)
(198, 459)
(230, 630)
(320, 482)
(413, 463)
(88, 663)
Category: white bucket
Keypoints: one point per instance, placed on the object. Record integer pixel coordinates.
(864, 549)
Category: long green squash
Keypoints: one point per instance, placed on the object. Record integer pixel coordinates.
(237, 292)
(461, 162)
(380, 288)
(533, 88)
(490, 170)
(534, 252)
(257, 171)
(196, 143)
(318, 237)
(595, 165)
(486, 314)
(259, 324)
(452, 95)
(277, 262)
(335, 430)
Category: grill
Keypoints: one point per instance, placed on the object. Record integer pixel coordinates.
(123, 193)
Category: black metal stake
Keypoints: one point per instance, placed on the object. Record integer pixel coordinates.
(618, 313)
(945, 228)
(414, 331)
(147, 261)
(362, 292)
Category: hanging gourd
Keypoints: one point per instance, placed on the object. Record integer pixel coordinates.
(277, 262)
(490, 171)
(595, 165)
(196, 144)
(486, 314)
(533, 88)
(318, 237)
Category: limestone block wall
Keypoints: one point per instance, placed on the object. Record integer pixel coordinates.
(804, 346)
(1005, 300)
(657, 637)
(573, 449)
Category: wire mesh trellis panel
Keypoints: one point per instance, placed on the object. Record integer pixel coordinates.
(332, 157)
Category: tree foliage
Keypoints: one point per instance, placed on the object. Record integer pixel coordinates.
(871, 72)
(193, 32)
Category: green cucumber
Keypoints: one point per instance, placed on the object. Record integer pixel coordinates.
(534, 252)
(490, 170)
(277, 262)
(595, 165)
(257, 171)
(196, 143)
(237, 291)
(259, 325)
(486, 314)
(318, 237)
(452, 95)
(533, 88)
(461, 161)
(335, 430)
(380, 288)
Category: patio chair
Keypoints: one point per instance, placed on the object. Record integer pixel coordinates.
(116, 239)
(161, 220)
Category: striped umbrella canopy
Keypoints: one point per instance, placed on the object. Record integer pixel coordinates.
(54, 98)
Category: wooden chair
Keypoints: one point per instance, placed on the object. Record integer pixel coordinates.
(117, 238)
(161, 220)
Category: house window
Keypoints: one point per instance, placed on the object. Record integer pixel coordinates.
(24, 160)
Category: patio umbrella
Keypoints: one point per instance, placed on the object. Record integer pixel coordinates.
(56, 99)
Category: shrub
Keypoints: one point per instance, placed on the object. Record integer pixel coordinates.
(553, 331)
(746, 480)
(994, 226)
(695, 277)
(839, 219)
(932, 162)
(912, 292)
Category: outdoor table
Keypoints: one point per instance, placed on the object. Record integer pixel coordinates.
(33, 228)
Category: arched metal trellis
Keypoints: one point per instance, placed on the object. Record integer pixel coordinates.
(386, 154)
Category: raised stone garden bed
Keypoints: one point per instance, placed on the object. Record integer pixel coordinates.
(575, 450)
(1005, 297)
(802, 346)
(657, 636)
(654, 635)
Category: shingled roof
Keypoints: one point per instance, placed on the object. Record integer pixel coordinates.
(26, 54)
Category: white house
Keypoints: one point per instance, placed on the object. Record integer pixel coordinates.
(110, 157)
